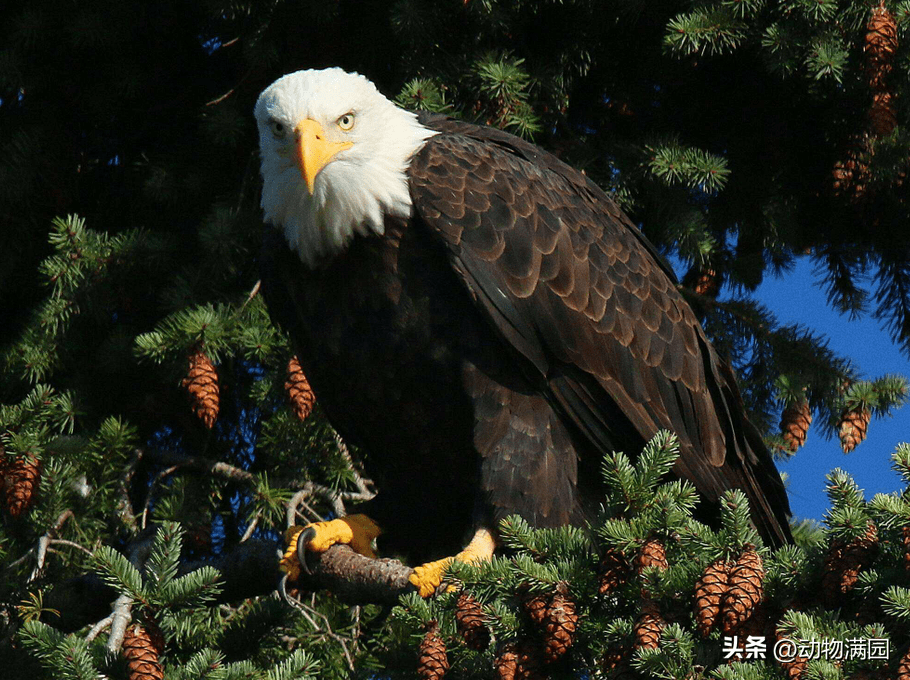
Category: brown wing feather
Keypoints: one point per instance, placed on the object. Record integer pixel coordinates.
(574, 286)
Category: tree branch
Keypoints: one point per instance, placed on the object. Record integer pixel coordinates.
(356, 579)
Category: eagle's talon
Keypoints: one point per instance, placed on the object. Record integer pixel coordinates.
(303, 541)
(427, 578)
(283, 589)
(357, 531)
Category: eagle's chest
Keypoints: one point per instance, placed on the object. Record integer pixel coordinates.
(388, 332)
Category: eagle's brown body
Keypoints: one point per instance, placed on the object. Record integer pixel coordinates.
(488, 351)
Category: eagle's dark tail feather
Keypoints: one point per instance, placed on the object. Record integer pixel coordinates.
(763, 486)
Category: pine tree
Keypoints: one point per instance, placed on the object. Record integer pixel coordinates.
(613, 571)
(129, 233)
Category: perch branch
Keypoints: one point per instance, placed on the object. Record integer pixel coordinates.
(356, 579)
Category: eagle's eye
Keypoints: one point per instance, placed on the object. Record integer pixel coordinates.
(278, 128)
(346, 122)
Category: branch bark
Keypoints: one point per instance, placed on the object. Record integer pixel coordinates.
(356, 579)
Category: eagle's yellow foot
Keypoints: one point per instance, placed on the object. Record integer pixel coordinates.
(358, 531)
(427, 577)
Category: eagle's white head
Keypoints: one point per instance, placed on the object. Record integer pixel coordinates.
(334, 154)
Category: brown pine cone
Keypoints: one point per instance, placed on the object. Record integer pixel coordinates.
(156, 637)
(853, 427)
(842, 175)
(536, 607)
(616, 663)
(795, 669)
(433, 662)
(506, 663)
(556, 617)
(202, 384)
(709, 592)
(843, 563)
(794, 424)
(881, 44)
(614, 657)
(519, 661)
(614, 571)
(703, 280)
(560, 625)
(299, 391)
(838, 573)
(906, 533)
(141, 654)
(744, 591)
(851, 176)
(20, 481)
(903, 667)
(651, 554)
(882, 114)
(757, 625)
(470, 622)
(649, 625)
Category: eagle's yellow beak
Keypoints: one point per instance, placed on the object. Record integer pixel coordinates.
(313, 150)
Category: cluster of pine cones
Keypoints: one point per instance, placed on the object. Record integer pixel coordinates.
(650, 624)
(729, 595)
(797, 417)
(553, 616)
(201, 382)
(851, 175)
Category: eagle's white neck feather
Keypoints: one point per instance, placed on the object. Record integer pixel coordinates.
(360, 186)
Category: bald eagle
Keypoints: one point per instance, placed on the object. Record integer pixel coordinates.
(483, 321)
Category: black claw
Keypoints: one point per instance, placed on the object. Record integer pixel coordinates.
(303, 540)
(283, 589)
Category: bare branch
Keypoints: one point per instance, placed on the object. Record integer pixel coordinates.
(363, 485)
(98, 627)
(213, 467)
(120, 619)
(45, 540)
(298, 499)
(336, 499)
(71, 544)
(250, 529)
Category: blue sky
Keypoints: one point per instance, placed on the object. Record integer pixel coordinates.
(797, 298)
